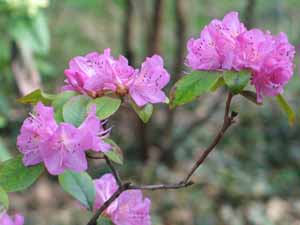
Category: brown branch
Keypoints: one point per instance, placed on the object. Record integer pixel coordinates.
(106, 204)
(228, 121)
(90, 156)
(114, 171)
(161, 186)
(190, 129)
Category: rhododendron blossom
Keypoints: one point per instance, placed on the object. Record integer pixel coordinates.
(60, 146)
(149, 82)
(130, 208)
(228, 45)
(5, 219)
(96, 74)
(214, 49)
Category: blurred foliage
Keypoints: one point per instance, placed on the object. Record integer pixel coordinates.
(253, 177)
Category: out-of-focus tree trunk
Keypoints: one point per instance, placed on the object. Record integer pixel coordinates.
(155, 28)
(24, 69)
(153, 41)
(249, 13)
(127, 32)
(180, 34)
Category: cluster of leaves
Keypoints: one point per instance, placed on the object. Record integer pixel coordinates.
(198, 83)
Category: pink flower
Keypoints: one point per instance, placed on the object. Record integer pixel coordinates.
(63, 150)
(214, 49)
(93, 132)
(5, 219)
(147, 86)
(105, 187)
(95, 74)
(227, 45)
(35, 130)
(128, 209)
(132, 209)
(60, 146)
(202, 52)
(275, 68)
(253, 46)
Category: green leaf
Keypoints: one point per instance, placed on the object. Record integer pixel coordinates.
(4, 202)
(58, 103)
(35, 97)
(104, 221)
(192, 86)
(251, 96)
(218, 83)
(116, 153)
(75, 109)
(80, 186)
(144, 113)
(14, 176)
(284, 105)
(4, 153)
(236, 81)
(106, 106)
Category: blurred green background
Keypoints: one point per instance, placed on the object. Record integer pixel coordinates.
(252, 178)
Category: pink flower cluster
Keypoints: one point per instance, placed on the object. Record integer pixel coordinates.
(60, 146)
(5, 219)
(96, 74)
(228, 45)
(128, 209)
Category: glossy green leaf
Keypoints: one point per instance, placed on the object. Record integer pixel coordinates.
(116, 153)
(4, 202)
(144, 112)
(106, 106)
(251, 96)
(191, 86)
(80, 186)
(75, 109)
(58, 103)
(236, 81)
(35, 97)
(14, 176)
(284, 105)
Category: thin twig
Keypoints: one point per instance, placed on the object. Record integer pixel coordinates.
(94, 156)
(161, 186)
(201, 121)
(106, 204)
(114, 171)
(228, 120)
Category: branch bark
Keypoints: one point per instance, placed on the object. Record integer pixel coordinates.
(227, 122)
(190, 129)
